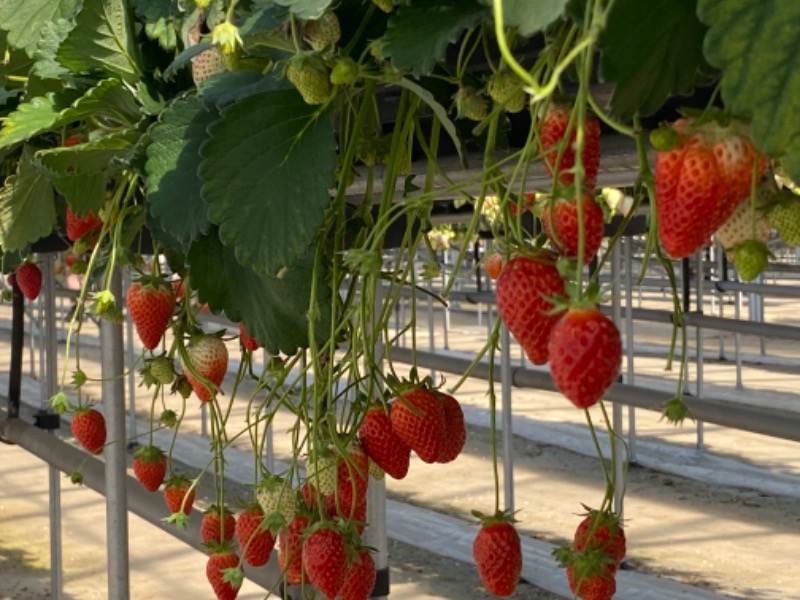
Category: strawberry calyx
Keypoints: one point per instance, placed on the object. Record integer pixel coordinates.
(500, 516)
(149, 454)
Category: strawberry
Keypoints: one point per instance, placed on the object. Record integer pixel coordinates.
(784, 216)
(150, 467)
(345, 71)
(219, 560)
(522, 205)
(218, 525)
(323, 33)
(360, 578)
(417, 417)
(470, 104)
(277, 499)
(208, 357)
(72, 140)
(321, 470)
(207, 63)
(161, 369)
(561, 224)
(585, 355)
(89, 428)
(505, 88)
(455, 431)
(325, 559)
(255, 539)
(150, 305)
(179, 495)
(747, 222)
(309, 75)
(78, 227)
(601, 532)
(497, 551)
(29, 280)
(700, 179)
(525, 291)
(751, 258)
(290, 549)
(352, 479)
(593, 587)
(493, 264)
(553, 132)
(382, 444)
(248, 343)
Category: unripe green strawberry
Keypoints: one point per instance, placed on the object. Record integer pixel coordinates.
(751, 258)
(276, 497)
(321, 471)
(324, 33)
(162, 370)
(207, 63)
(344, 72)
(505, 89)
(785, 218)
(470, 104)
(310, 78)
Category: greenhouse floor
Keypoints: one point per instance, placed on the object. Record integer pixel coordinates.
(721, 522)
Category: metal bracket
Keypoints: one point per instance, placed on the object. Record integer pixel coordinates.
(47, 420)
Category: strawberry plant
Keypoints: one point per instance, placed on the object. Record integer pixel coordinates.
(253, 160)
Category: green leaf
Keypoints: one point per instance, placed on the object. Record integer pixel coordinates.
(231, 86)
(275, 309)
(184, 57)
(31, 118)
(761, 72)
(530, 19)
(437, 23)
(102, 39)
(163, 31)
(24, 19)
(80, 173)
(438, 110)
(266, 173)
(651, 50)
(173, 157)
(153, 10)
(52, 35)
(305, 9)
(27, 206)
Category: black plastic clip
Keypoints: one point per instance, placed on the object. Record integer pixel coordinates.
(47, 420)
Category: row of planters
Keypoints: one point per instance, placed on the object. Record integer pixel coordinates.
(272, 148)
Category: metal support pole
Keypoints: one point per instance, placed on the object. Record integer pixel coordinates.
(431, 325)
(721, 296)
(700, 337)
(113, 390)
(507, 417)
(737, 340)
(630, 373)
(130, 353)
(17, 348)
(615, 437)
(49, 383)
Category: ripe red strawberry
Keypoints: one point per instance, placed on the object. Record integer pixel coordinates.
(29, 280)
(72, 140)
(522, 205)
(455, 430)
(601, 532)
(150, 304)
(218, 525)
(554, 130)
(89, 428)
(700, 181)
(525, 292)
(325, 559)
(255, 539)
(248, 343)
(208, 355)
(593, 587)
(382, 444)
(497, 551)
(290, 549)
(150, 467)
(493, 264)
(87, 225)
(176, 489)
(585, 355)
(417, 417)
(218, 561)
(561, 224)
(360, 578)
(352, 479)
